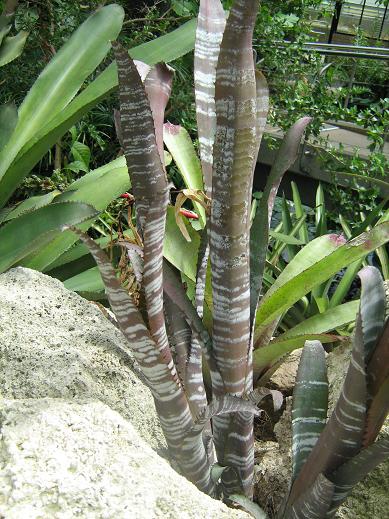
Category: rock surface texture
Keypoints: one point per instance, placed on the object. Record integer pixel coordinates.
(77, 425)
(65, 459)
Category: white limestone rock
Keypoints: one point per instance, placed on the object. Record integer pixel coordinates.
(55, 344)
(62, 459)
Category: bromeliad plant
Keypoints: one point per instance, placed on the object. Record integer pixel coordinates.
(167, 335)
(331, 457)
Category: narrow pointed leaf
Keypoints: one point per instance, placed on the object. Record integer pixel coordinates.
(345, 283)
(299, 212)
(158, 86)
(26, 233)
(12, 47)
(314, 264)
(310, 402)
(259, 235)
(58, 84)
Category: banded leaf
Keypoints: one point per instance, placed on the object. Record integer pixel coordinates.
(148, 180)
(210, 27)
(233, 167)
(310, 403)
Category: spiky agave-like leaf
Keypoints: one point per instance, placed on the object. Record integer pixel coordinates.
(310, 403)
(148, 177)
(210, 28)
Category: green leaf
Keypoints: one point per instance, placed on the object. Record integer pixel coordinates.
(81, 152)
(97, 188)
(165, 48)
(268, 355)
(331, 319)
(30, 204)
(58, 84)
(29, 231)
(299, 212)
(345, 283)
(314, 264)
(285, 238)
(180, 145)
(169, 47)
(310, 402)
(88, 281)
(8, 121)
(179, 252)
(11, 47)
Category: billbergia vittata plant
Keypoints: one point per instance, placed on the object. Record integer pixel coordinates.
(210, 438)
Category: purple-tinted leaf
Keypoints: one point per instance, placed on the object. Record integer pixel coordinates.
(210, 27)
(148, 179)
(378, 387)
(234, 158)
(259, 393)
(315, 502)
(158, 85)
(356, 469)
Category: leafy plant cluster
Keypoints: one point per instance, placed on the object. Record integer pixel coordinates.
(226, 340)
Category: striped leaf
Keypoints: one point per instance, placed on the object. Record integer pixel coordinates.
(356, 469)
(233, 166)
(158, 368)
(148, 179)
(210, 27)
(378, 387)
(342, 437)
(373, 302)
(260, 228)
(315, 502)
(310, 402)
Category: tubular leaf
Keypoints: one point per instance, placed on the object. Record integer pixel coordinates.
(310, 402)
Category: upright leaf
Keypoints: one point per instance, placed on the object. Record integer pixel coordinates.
(233, 166)
(260, 228)
(149, 184)
(310, 402)
(210, 27)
